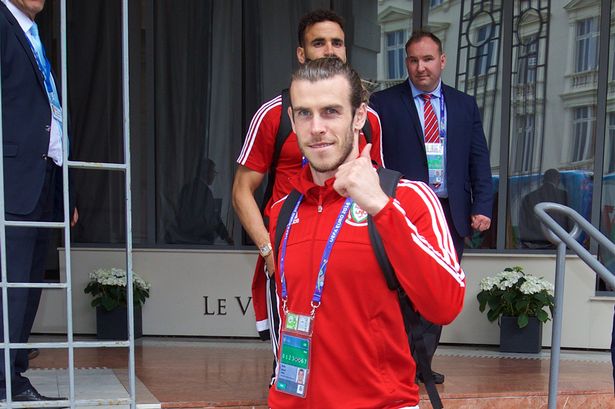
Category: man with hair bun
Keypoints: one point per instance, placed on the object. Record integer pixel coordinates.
(341, 325)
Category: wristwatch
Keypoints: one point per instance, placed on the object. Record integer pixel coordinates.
(265, 249)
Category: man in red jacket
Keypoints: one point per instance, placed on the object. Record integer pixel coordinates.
(341, 325)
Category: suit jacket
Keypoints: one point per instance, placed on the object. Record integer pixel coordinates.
(26, 119)
(468, 172)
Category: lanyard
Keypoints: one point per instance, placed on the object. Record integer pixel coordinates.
(442, 121)
(43, 66)
(320, 281)
(45, 69)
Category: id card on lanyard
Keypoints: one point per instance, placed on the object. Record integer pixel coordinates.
(296, 340)
(435, 162)
(435, 151)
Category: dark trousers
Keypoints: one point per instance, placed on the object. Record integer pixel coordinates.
(26, 249)
(431, 332)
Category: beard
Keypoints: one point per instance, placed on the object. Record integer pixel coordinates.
(324, 166)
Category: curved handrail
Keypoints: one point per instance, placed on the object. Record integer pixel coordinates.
(557, 235)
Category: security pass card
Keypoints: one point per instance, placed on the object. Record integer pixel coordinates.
(294, 367)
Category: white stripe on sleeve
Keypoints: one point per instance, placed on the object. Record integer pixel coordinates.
(254, 127)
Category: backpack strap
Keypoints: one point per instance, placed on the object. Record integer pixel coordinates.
(283, 218)
(284, 131)
(367, 131)
(388, 182)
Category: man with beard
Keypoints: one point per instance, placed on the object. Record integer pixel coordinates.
(341, 324)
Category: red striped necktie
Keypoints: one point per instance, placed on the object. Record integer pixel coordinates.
(432, 131)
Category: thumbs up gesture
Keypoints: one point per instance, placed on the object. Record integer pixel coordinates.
(358, 180)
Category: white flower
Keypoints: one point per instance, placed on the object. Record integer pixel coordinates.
(117, 277)
(547, 286)
(487, 283)
(508, 279)
(531, 285)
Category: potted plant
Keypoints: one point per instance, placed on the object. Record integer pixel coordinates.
(108, 287)
(518, 300)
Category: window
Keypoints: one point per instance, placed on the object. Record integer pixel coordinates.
(396, 54)
(435, 3)
(583, 126)
(587, 45)
(485, 50)
(612, 59)
(526, 131)
(528, 58)
(609, 145)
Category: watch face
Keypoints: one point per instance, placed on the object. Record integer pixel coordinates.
(265, 249)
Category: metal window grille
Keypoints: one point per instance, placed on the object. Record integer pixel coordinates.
(71, 344)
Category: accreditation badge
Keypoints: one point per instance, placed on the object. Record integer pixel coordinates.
(301, 324)
(435, 162)
(56, 122)
(294, 367)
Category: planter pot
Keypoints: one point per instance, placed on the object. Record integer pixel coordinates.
(523, 340)
(113, 325)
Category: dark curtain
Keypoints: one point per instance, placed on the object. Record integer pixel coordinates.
(197, 112)
(95, 102)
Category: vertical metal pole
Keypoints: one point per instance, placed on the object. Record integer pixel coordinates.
(67, 209)
(127, 174)
(5, 304)
(507, 41)
(601, 115)
(556, 337)
(417, 15)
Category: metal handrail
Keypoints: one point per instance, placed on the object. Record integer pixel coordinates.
(557, 235)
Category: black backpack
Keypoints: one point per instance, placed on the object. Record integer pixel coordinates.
(388, 182)
(283, 132)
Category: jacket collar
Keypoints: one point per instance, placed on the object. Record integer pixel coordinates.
(24, 21)
(416, 92)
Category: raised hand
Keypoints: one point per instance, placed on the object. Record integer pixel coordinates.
(358, 179)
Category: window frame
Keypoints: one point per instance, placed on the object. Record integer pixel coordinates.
(398, 51)
(583, 133)
(586, 44)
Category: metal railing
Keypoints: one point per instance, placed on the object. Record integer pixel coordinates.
(71, 344)
(557, 235)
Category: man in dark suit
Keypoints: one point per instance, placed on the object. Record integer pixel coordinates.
(433, 133)
(32, 148)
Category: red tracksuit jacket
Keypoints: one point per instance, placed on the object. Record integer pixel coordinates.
(257, 154)
(360, 355)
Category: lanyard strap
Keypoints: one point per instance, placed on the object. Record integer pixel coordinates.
(45, 68)
(442, 121)
(320, 281)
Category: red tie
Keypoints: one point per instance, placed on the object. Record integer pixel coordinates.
(432, 132)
